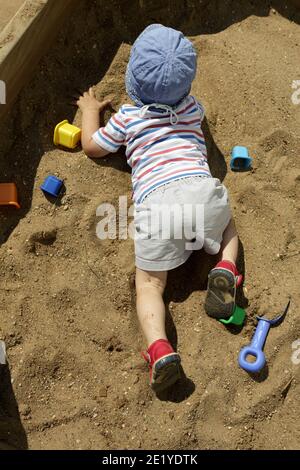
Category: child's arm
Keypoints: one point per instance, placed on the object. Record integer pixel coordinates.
(91, 109)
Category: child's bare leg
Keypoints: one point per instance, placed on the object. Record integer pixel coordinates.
(151, 312)
(230, 244)
(224, 278)
(163, 360)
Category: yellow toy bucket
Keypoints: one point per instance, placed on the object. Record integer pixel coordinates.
(67, 135)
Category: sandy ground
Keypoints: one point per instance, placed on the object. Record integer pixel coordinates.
(75, 378)
(7, 10)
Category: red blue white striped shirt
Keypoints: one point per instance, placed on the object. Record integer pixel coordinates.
(159, 148)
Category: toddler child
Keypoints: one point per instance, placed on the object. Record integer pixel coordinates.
(166, 150)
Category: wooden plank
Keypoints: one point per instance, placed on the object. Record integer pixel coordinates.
(8, 8)
(25, 40)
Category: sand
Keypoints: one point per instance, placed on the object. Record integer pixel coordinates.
(75, 378)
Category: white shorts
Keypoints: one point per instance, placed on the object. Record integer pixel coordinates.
(180, 217)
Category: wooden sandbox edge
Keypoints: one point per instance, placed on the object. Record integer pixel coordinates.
(24, 41)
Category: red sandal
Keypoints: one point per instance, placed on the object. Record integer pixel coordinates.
(164, 365)
(223, 281)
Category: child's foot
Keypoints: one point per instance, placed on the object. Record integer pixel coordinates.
(222, 283)
(164, 364)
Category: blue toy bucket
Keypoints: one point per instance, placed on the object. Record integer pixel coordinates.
(52, 186)
(240, 160)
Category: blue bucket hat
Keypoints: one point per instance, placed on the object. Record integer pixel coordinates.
(161, 67)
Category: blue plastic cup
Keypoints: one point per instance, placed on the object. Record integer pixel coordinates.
(240, 160)
(52, 186)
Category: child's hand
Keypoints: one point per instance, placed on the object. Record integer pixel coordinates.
(89, 102)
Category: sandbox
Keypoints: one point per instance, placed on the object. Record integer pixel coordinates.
(74, 378)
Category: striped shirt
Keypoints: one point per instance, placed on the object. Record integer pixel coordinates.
(160, 146)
